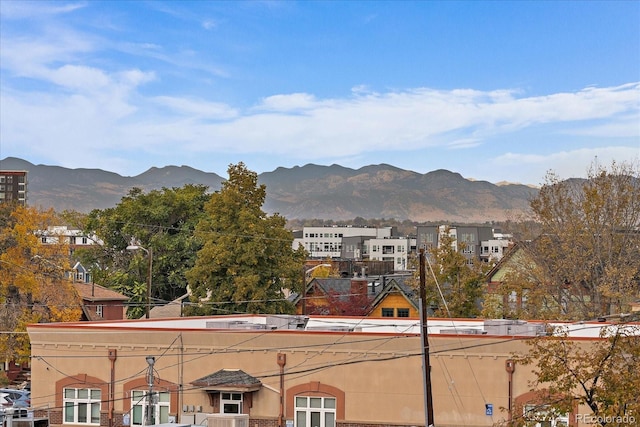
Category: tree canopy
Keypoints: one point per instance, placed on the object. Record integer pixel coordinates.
(454, 284)
(585, 262)
(34, 285)
(246, 262)
(602, 375)
(162, 221)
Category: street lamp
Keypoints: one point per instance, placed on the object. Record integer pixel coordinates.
(305, 274)
(149, 253)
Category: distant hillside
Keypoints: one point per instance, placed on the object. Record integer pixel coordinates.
(306, 192)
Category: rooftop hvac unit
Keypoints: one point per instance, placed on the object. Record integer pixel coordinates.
(228, 420)
(235, 324)
(331, 328)
(462, 331)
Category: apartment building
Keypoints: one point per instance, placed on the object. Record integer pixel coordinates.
(493, 250)
(327, 242)
(474, 242)
(395, 249)
(13, 187)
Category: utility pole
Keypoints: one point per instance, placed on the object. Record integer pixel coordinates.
(424, 333)
(150, 401)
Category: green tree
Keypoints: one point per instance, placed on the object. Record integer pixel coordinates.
(161, 220)
(454, 284)
(586, 255)
(602, 374)
(246, 262)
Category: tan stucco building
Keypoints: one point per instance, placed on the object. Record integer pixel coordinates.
(278, 370)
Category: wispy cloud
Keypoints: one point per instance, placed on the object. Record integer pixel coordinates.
(34, 9)
(103, 88)
(118, 113)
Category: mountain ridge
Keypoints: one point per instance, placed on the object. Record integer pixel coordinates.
(302, 192)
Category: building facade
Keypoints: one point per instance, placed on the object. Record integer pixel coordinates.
(13, 187)
(281, 371)
(327, 242)
(394, 249)
(474, 242)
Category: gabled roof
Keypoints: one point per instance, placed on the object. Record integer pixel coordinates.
(340, 286)
(171, 309)
(93, 293)
(505, 260)
(396, 285)
(228, 380)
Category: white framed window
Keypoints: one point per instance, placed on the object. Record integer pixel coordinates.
(544, 416)
(315, 411)
(231, 403)
(99, 310)
(160, 405)
(82, 406)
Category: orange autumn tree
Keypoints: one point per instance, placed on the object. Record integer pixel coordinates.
(34, 287)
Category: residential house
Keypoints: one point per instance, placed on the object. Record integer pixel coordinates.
(75, 238)
(100, 303)
(512, 263)
(395, 299)
(382, 296)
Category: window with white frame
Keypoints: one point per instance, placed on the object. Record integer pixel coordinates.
(99, 310)
(82, 406)
(231, 403)
(160, 405)
(315, 411)
(544, 416)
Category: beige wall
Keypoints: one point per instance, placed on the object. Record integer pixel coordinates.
(380, 374)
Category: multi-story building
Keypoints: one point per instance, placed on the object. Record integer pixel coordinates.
(327, 242)
(380, 244)
(13, 187)
(73, 237)
(494, 249)
(474, 242)
(396, 249)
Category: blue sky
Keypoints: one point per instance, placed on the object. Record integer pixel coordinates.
(497, 91)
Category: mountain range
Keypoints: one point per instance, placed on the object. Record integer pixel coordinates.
(302, 192)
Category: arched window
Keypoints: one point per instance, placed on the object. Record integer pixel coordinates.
(315, 405)
(534, 409)
(163, 403)
(81, 398)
